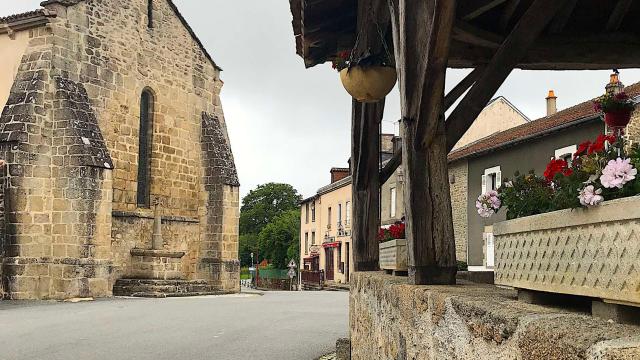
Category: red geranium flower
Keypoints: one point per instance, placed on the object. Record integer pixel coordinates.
(557, 166)
(599, 144)
(397, 231)
(582, 149)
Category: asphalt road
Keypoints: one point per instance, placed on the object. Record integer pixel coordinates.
(278, 325)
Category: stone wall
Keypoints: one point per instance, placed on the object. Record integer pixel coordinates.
(69, 133)
(633, 130)
(458, 185)
(392, 320)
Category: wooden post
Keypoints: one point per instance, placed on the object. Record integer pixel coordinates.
(422, 33)
(365, 150)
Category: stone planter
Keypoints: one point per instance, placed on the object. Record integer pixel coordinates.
(393, 255)
(586, 252)
(368, 84)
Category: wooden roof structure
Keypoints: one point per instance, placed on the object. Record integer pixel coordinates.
(428, 36)
(585, 34)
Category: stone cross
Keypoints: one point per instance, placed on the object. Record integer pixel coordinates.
(157, 242)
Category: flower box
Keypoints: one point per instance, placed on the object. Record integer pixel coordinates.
(393, 255)
(591, 252)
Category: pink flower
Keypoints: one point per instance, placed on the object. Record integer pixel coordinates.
(589, 196)
(617, 173)
(488, 204)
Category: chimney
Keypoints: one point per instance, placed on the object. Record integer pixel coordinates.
(552, 106)
(614, 86)
(386, 143)
(338, 174)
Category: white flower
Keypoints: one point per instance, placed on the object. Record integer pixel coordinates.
(617, 173)
(488, 204)
(589, 196)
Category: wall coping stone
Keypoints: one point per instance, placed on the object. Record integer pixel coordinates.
(391, 319)
(613, 210)
(148, 214)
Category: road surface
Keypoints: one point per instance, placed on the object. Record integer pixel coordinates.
(278, 325)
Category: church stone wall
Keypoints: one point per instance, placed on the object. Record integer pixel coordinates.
(71, 129)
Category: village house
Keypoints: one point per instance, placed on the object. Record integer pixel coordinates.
(489, 162)
(326, 249)
(120, 175)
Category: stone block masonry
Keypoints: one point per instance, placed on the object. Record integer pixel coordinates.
(390, 319)
(70, 135)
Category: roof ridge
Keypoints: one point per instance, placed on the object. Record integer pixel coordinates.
(25, 15)
(539, 126)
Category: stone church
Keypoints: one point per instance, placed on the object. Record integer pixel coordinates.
(119, 176)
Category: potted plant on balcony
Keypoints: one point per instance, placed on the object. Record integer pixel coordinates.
(575, 229)
(368, 79)
(393, 248)
(617, 109)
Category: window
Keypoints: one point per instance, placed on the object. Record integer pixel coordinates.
(492, 179)
(393, 203)
(329, 218)
(145, 136)
(313, 211)
(339, 214)
(306, 243)
(347, 213)
(306, 212)
(313, 238)
(150, 14)
(566, 153)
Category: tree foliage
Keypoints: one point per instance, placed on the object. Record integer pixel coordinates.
(276, 239)
(270, 225)
(264, 204)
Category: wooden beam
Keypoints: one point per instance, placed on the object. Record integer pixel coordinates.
(560, 20)
(365, 150)
(452, 96)
(603, 52)
(481, 7)
(510, 9)
(390, 167)
(462, 87)
(421, 60)
(467, 33)
(618, 15)
(365, 145)
(504, 61)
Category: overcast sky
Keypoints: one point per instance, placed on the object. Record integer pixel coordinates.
(291, 125)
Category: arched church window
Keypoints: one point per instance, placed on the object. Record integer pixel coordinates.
(150, 14)
(144, 150)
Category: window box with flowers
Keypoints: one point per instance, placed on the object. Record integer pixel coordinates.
(576, 230)
(393, 248)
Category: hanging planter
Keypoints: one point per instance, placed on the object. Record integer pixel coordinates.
(368, 83)
(617, 119)
(368, 78)
(617, 109)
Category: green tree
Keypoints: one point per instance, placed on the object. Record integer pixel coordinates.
(277, 239)
(248, 244)
(262, 205)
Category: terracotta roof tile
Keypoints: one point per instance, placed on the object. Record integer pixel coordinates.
(23, 16)
(533, 128)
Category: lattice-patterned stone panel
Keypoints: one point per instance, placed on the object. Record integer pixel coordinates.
(592, 252)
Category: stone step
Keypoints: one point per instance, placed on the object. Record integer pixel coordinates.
(163, 288)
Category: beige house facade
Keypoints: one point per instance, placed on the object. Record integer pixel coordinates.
(325, 235)
(120, 173)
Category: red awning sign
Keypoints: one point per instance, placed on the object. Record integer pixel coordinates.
(331, 245)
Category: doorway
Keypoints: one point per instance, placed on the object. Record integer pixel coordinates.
(347, 261)
(328, 264)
